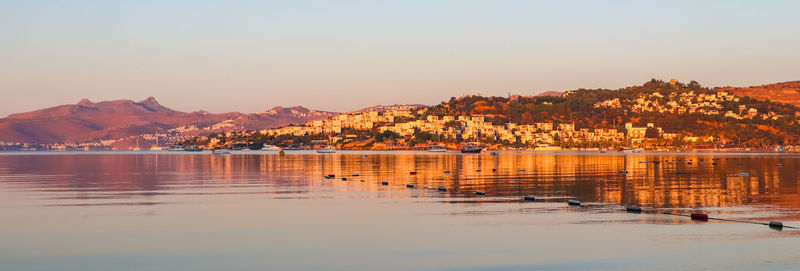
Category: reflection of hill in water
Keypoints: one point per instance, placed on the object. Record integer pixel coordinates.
(590, 178)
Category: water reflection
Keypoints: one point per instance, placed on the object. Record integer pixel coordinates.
(664, 181)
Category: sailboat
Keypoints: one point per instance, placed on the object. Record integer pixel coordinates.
(137, 146)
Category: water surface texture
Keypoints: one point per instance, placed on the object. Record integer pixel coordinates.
(262, 211)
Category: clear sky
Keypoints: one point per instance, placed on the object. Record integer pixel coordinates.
(343, 55)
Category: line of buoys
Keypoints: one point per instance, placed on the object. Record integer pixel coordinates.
(528, 198)
(699, 216)
(480, 193)
(385, 183)
(411, 185)
(633, 209)
(442, 188)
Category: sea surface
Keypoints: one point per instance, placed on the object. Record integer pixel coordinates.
(259, 210)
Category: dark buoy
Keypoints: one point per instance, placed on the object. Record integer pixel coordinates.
(446, 171)
(385, 183)
(478, 170)
(776, 225)
(411, 185)
(344, 178)
(413, 173)
(356, 175)
(623, 172)
(480, 193)
(633, 209)
(699, 216)
(521, 169)
(442, 188)
(574, 202)
(528, 198)
(329, 176)
(494, 170)
(779, 164)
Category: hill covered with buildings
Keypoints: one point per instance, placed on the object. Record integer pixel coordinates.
(657, 114)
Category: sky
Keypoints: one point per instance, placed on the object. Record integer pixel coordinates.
(249, 56)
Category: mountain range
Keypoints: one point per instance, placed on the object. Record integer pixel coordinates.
(114, 121)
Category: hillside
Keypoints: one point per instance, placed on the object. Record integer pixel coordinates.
(113, 120)
(786, 92)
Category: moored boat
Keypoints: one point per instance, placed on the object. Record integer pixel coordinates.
(471, 148)
(437, 149)
(326, 150)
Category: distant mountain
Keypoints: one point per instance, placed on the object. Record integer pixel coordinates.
(786, 92)
(116, 120)
(550, 93)
(381, 108)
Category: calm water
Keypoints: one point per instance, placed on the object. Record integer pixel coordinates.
(257, 211)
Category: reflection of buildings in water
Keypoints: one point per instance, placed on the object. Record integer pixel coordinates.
(591, 178)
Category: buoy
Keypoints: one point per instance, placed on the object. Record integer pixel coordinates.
(329, 176)
(574, 202)
(776, 225)
(480, 193)
(779, 164)
(411, 185)
(642, 162)
(633, 209)
(521, 169)
(281, 153)
(494, 170)
(356, 175)
(413, 173)
(689, 163)
(744, 174)
(385, 183)
(478, 170)
(364, 155)
(699, 216)
(442, 188)
(446, 171)
(714, 163)
(529, 198)
(623, 172)
(344, 178)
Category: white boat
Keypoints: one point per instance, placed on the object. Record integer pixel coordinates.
(176, 148)
(221, 151)
(268, 147)
(632, 150)
(326, 150)
(437, 149)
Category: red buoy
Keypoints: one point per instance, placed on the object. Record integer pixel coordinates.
(699, 216)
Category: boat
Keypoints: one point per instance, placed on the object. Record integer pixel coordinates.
(471, 148)
(326, 150)
(631, 150)
(268, 147)
(437, 149)
(176, 148)
(193, 148)
(495, 153)
(221, 151)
